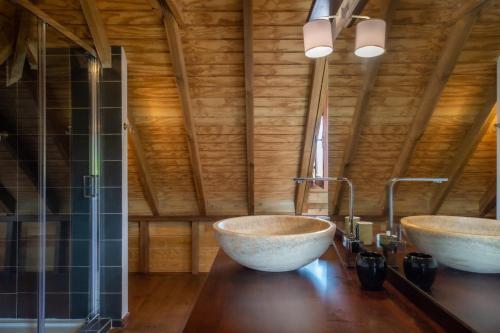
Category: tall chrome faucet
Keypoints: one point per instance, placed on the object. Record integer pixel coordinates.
(390, 241)
(351, 237)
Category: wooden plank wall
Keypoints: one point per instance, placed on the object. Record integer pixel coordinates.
(281, 89)
(213, 41)
(172, 247)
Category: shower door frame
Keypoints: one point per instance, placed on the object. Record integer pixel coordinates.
(94, 69)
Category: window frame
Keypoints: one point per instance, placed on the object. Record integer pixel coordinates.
(319, 184)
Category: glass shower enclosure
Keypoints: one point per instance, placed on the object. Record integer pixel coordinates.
(49, 167)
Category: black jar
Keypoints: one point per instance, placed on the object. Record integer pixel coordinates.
(371, 268)
(421, 269)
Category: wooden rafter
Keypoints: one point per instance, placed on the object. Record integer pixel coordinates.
(5, 47)
(97, 30)
(17, 64)
(370, 76)
(144, 246)
(181, 78)
(142, 164)
(319, 91)
(322, 113)
(176, 10)
(467, 8)
(26, 163)
(32, 53)
(7, 201)
(438, 79)
(249, 106)
(488, 200)
(33, 9)
(482, 123)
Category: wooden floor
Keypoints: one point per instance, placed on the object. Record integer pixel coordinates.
(161, 303)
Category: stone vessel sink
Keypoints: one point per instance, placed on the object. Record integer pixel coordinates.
(274, 243)
(464, 243)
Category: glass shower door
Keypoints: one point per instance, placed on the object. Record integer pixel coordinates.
(21, 181)
(49, 276)
(72, 277)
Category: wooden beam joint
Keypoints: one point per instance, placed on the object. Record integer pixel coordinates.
(97, 30)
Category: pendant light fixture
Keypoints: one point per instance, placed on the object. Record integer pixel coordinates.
(369, 42)
(370, 38)
(318, 38)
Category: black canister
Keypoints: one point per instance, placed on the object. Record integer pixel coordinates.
(371, 268)
(421, 269)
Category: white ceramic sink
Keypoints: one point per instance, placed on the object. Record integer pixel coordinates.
(464, 243)
(274, 243)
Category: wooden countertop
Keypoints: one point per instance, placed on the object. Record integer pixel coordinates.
(321, 297)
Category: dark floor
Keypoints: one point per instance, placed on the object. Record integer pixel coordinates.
(161, 303)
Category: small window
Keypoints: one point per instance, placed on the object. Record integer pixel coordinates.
(320, 165)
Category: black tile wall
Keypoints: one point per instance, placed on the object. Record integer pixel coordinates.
(111, 228)
(80, 94)
(8, 303)
(111, 147)
(111, 174)
(110, 253)
(111, 121)
(26, 305)
(80, 279)
(57, 305)
(111, 304)
(111, 278)
(111, 200)
(111, 188)
(80, 226)
(79, 305)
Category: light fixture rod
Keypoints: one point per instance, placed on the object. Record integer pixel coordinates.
(363, 17)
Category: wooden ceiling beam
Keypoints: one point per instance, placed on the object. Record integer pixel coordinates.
(176, 10)
(482, 123)
(142, 164)
(318, 91)
(468, 7)
(33, 9)
(249, 101)
(5, 47)
(322, 111)
(7, 201)
(370, 76)
(488, 200)
(181, 78)
(27, 163)
(438, 79)
(32, 53)
(17, 65)
(97, 30)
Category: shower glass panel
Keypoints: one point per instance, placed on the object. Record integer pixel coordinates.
(49, 274)
(20, 174)
(70, 287)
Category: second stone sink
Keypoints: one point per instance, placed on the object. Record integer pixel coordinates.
(274, 243)
(464, 243)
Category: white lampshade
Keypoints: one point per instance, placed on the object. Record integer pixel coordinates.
(318, 38)
(370, 38)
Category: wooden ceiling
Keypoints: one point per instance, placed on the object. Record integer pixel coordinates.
(208, 141)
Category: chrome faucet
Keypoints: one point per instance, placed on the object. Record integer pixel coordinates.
(350, 240)
(390, 241)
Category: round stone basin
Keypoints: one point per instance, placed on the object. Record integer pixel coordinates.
(465, 243)
(274, 243)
